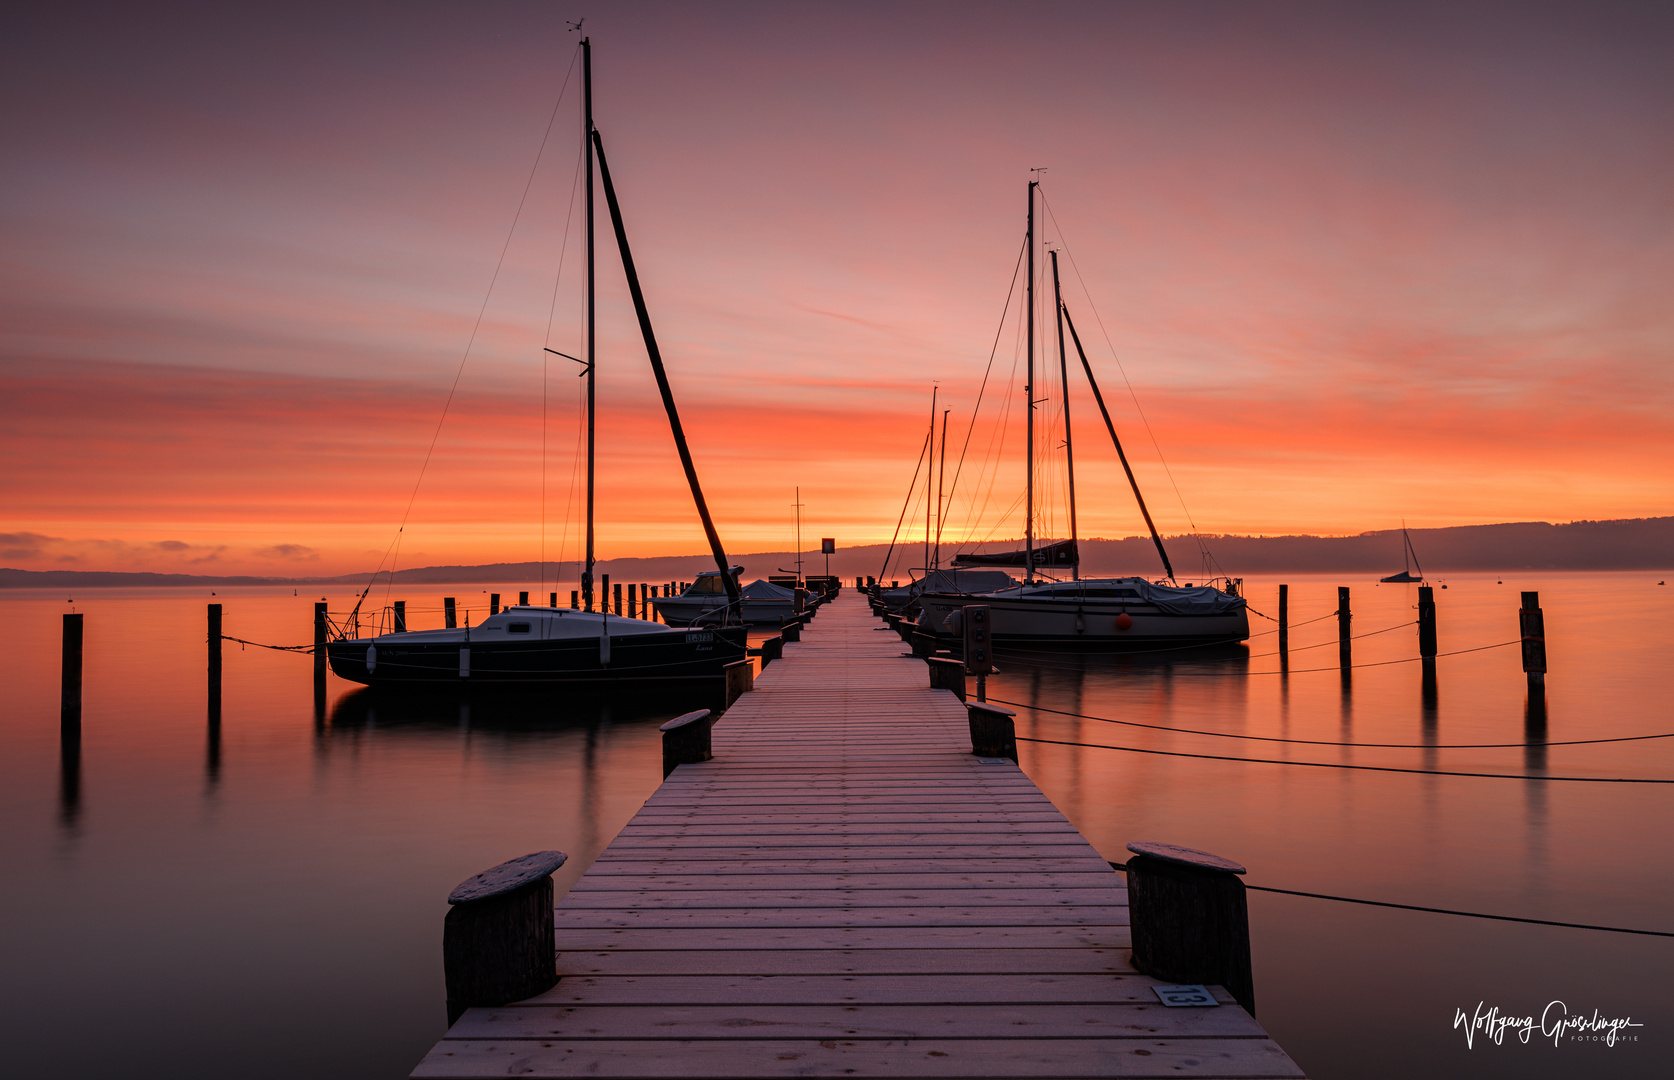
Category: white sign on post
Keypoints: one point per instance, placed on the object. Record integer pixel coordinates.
(1181, 996)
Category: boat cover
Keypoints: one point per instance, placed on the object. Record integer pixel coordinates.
(766, 590)
(967, 582)
(1197, 600)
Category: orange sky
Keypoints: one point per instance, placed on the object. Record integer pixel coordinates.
(1358, 268)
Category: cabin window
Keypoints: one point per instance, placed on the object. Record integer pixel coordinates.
(707, 586)
(517, 628)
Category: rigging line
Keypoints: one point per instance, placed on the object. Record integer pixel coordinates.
(1225, 641)
(1321, 742)
(1360, 768)
(483, 310)
(1001, 428)
(551, 313)
(910, 489)
(993, 350)
(1124, 371)
(1294, 671)
(1443, 911)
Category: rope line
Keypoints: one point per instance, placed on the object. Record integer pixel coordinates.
(1445, 911)
(1322, 742)
(1358, 768)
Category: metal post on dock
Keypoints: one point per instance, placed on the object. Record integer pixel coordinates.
(1284, 618)
(450, 613)
(1345, 649)
(1190, 919)
(686, 740)
(499, 944)
(400, 616)
(494, 603)
(1531, 621)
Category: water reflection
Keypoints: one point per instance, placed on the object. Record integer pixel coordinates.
(69, 770)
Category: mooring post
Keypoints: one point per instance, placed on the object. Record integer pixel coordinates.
(633, 608)
(1426, 622)
(498, 941)
(450, 613)
(686, 740)
(1191, 923)
(947, 674)
(618, 599)
(923, 644)
(791, 630)
(494, 603)
(772, 649)
(800, 603)
(523, 599)
(993, 733)
(1532, 622)
(575, 600)
(69, 710)
(400, 616)
(741, 679)
(1284, 618)
(321, 635)
(1345, 656)
(604, 593)
(215, 656)
(553, 601)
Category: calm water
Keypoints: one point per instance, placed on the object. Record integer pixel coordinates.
(269, 903)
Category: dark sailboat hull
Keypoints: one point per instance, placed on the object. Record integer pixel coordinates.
(676, 655)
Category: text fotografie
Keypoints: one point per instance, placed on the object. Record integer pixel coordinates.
(1555, 1023)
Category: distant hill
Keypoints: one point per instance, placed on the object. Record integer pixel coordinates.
(1626, 544)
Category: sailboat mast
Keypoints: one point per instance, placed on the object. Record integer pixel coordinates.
(941, 479)
(930, 481)
(1029, 393)
(587, 141)
(1069, 443)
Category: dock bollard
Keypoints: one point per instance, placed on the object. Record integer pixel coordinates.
(498, 941)
(924, 645)
(1191, 923)
(992, 732)
(946, 674)
(791, 630)
(686, 740)
(772, 649)
(741, 679)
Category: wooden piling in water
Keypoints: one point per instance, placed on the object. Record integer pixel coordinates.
(1191, 922)
(686, 740)
(523, 599)
(553, 602)
(1284, 618)
(400, 616)
(1345, 649)
(633, 607)
(69, 708)
(1426, 622)
(1531, 621)
(450, 613)
(604, 593)
(575, 600)
(498, 941)
(321, 635)
(494, 603)
(214, 642)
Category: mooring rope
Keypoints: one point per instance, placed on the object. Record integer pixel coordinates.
(1444, 911)
(1358, 768)
(1323, 742)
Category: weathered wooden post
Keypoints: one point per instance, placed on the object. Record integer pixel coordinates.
(633, 606)
(800, 603)
(1426, 622)
(791, 630)
(923, 644)
(772, 649)
(1191, 923)
(604, 593)
(993, 734)
(741, 679)
(686, 740)
(1345, 657)
(618, 600)
(69, 709)
(552, 602)
(321, 636)
(523, 599)
(494, 603)
(947, 674)
(1284, 618)
(450, 613)
(215, 657)
(1532, 622)
(575, 600)
(498, 941)
(400, 616)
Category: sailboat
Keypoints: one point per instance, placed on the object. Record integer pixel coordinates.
(526, 644)
(1107, 612)
(1409, 560)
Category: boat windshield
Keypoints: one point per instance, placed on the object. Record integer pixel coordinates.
(707, 585)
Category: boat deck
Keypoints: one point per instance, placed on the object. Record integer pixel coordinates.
(845, 891)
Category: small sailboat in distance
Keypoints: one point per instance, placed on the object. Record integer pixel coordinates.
(1409, 559)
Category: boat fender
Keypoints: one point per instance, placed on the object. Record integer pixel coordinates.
(955, 622)
(371, 659)
(464, 661)
(604, 643)
(1124, 621)
(1080, 623)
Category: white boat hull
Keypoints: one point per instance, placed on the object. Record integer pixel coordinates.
(1088, 621)
(686, 610)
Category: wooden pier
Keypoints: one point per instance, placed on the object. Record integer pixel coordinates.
(845, 891)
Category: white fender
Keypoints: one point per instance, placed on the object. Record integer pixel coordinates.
(371, 659)
(464, 661)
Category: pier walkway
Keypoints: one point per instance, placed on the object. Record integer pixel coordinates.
(845, 891)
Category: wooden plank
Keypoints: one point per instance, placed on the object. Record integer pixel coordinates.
(995, 964)
(843, 937)
(880, 989)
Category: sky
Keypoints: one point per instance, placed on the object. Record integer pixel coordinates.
(276, 280)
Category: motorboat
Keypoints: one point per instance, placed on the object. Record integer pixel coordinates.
(1103, 611)
(761, 603)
